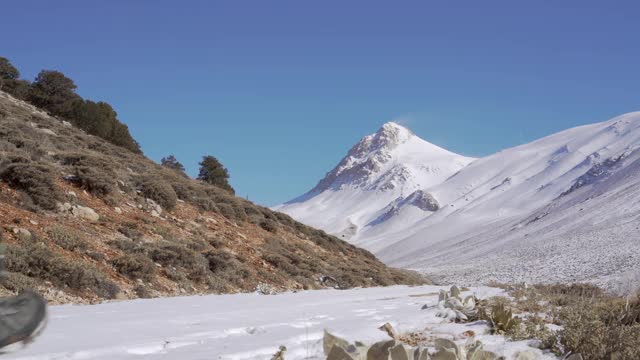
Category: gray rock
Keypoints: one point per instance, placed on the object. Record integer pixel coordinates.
(85, 213)
(22, 232)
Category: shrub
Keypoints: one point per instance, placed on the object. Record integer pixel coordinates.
(130, 230)
(594, 330)
(227, 211)
(135, 267)
(281, 263)
(173, 255)
(35, 180)
(17, 282)
(97, 181)
(269, 225)
(142, 291)
(219, 261)
(177, 256)
(160, 192)
(36, 260)
(67, 239)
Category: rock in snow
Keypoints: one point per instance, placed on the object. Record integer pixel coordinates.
(561, 208)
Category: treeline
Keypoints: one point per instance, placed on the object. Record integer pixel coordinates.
(211, 171)
(54, 92)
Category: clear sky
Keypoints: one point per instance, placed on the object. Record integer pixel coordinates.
(280, 90)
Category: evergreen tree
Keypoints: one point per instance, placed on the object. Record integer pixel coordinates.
(172, 163)
(214, 173)
(8, 72)
(54, 92)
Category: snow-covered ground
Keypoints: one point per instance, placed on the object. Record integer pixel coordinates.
(247, 326)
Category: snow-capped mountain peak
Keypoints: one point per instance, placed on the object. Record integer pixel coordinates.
(389, 158)
(381, 168)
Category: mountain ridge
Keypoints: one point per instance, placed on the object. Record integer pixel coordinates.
(487, 201)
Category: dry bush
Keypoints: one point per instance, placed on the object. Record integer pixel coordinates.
(67, 239)
(226, 266)
(269, 225)
(135, 266)
(130, 230)
(595, 329)
(142, 291)
(160, 192)
(17, 282)
(94, 173)
(193, 264)
(35, 180)
(96, 181)
(36, 260)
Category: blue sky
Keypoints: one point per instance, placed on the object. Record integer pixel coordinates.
(280, 90)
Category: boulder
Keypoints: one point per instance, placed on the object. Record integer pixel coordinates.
(22, 232)
(85, 213)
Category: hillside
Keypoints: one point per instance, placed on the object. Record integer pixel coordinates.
(562, 208)
(84, 220)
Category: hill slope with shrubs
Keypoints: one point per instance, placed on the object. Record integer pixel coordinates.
(84, 220)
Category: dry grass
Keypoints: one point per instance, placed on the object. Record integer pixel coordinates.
(594, 324)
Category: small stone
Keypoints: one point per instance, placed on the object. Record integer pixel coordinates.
(33, 222)
(66, 207)
(48, 132)
(72, 193)
(117, 210)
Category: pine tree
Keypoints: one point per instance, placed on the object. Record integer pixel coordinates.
(172, 163)
(214, 173)
(7, 71)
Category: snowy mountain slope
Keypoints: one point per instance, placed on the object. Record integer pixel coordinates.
(559, 208)
(250, 326)
(382, 168)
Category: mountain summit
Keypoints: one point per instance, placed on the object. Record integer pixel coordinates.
(387, 166)
(392, 157)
